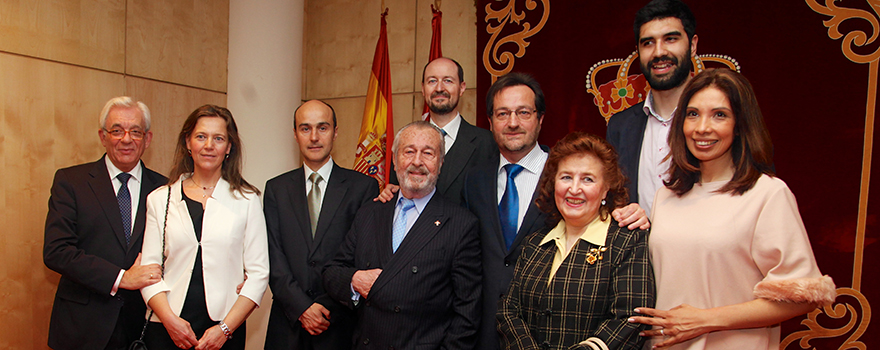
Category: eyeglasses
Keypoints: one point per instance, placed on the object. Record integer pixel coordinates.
(120, 133)
(523, 114)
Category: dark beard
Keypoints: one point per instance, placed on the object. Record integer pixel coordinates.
(675, 79)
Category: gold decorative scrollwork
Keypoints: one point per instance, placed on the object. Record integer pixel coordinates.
(836, 311)
(491, 55)
(854, 38)
(859, 38)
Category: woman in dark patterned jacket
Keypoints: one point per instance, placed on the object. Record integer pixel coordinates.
(579, 279)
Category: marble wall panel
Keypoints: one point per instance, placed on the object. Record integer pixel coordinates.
(184, 42)
(340, 41)
(83, 32)
(49, 114)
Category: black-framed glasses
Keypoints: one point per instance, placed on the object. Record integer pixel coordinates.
(118, 134)
(523, 113)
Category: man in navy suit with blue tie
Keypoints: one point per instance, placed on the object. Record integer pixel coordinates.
(308, 212)
(94, 232)
(502, 193)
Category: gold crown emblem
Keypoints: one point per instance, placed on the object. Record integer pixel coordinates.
(628, 90)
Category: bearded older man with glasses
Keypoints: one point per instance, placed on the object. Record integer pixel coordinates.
(94, 231)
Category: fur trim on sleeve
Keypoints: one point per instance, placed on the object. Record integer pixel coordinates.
(819, 290)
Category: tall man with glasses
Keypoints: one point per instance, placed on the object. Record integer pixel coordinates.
(502, 194)
(94, 231)
(308, 212)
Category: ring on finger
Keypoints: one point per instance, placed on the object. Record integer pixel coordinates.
(662, 332)
(151, 275)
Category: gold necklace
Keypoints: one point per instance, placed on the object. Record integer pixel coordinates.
(204, 188)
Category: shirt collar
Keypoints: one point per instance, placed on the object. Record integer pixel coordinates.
(419, 202)
(649, 109)
(324, 171)
(452, 127)
(596, 232)
(533, 161)
(114, 171)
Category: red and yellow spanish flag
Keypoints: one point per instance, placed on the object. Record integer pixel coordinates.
(436, 50)
(377, 128)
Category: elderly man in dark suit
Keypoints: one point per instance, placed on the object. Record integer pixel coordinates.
(466, 145)
(94, 232)
(502, 193)
(308, 212)
(411, 266)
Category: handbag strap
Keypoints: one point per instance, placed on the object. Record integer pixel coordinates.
(164, 227)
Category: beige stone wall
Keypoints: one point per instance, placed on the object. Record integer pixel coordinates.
(60, 61)
(340, 40)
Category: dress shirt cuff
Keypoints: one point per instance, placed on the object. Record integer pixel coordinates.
(355, 296)
(116, 285)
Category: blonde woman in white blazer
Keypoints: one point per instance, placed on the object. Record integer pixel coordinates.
(214, 238)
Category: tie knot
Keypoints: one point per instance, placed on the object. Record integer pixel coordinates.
(123, 177)
(406, 204)
(513, 170)
(315, 178)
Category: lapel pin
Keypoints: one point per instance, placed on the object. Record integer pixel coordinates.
(437, 223)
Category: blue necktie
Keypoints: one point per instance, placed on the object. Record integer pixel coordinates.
(508, 209)
(124, 199)
(400, 223)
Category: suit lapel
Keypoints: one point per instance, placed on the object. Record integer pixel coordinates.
(333, 197)
(298, 198)
(102, 187)
(384, 223)
(429, 223)
(457, 157)
(492, 202)
(528, 222)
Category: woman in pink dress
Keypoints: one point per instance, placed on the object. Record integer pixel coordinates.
(730, 253)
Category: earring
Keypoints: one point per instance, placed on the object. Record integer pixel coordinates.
(190, 152)
(603, 202)
(227, 155)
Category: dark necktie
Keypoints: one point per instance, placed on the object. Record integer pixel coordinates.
(508, 209)
(124, 199)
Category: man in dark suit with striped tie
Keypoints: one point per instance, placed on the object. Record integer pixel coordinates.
(308, 212)
(411, 266)
(94, 232)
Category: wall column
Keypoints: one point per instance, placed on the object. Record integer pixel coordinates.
(264, 88)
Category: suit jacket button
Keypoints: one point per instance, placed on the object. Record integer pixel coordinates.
(310, 292)
(367, 303)
(545, 345)
(506, 263)
(415, 269)
(397, 309)
(548, 312)
(313, 263)
(368, 264)
(366, 341)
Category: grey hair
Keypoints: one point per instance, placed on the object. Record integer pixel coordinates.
(421, 125)
(125, 102)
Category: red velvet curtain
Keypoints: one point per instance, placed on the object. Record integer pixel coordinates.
(815, 101)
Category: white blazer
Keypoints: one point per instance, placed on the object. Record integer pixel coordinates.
(233, 243)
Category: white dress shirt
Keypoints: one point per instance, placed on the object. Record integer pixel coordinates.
(526, 181)
(324, 171)
(451, 130)
(134, 187)
(652, 168)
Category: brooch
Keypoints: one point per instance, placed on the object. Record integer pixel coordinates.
(595, 254)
